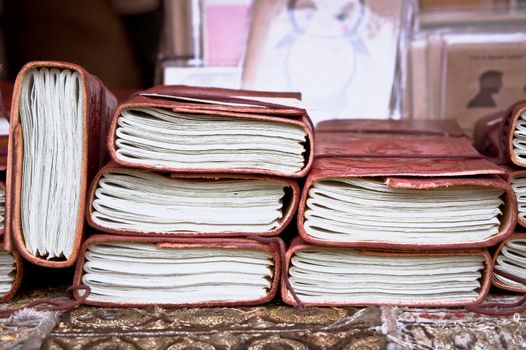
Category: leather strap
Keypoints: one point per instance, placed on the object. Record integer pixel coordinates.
(211, 97)
(53, 304)
(499, 308)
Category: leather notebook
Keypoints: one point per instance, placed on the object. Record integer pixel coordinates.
(403, 191)
(336, 276)
(59, 119)
(510, 257)
(2, 208)
(503, 135)
(140, 271)
(516, 178)
(189, 129)
(11, 271)
(140, 202)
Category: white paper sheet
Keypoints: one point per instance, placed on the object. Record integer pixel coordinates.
(145, 273)
(346, 275)
(361, 209)
(51, 117)
(164, 138)
(145, 201)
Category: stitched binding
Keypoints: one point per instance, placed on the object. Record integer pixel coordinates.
(282, 253)
(499, 308)
(53, 304)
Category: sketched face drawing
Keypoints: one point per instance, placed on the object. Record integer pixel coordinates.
(323, 45)
(490, 83)
(326, 18)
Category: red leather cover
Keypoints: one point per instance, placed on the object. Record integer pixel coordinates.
(298, 244)
(494, 281)
(234, 243)
(406, 161)
(290, 206)
(18, 277)
(265, 112)
(99, 105)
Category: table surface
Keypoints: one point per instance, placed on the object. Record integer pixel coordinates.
(272, 326)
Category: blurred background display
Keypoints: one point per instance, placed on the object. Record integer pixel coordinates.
(427, 59)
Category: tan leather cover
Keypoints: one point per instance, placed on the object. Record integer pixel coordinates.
(265, 112)
(18, 277)
(298, 244)
(99, 105)
(494, 281)
(235, 243)
(290, 206)
(406, 161)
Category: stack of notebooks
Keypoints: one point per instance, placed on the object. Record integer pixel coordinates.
(10, 262)
(397, 213)
(191, 187)
(502, 137)
(197, 177)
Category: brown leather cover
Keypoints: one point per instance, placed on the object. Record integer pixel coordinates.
(265, 112)
(406, 161)
(99, 105)
(494, 281)
(18, 277)
(446, 127)
(494, 134)
(235, 243)
(289, 206)
(486, 136)
(298, 244)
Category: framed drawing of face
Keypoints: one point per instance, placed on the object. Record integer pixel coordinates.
(340, 54)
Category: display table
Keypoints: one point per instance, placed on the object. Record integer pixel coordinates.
(274, 326)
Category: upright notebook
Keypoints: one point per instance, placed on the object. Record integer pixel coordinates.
(329, 276)
(517, 181)
(403, 190)
(140, 202)
(510, 257)
(10, 273)
(188, 129)
(59, 119)
(503, 135)
(140, 271)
